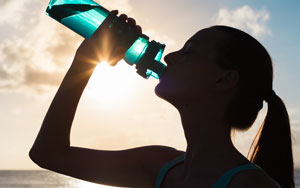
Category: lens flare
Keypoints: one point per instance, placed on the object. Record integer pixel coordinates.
(113, 86)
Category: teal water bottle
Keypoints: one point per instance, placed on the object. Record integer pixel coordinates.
(85, 16)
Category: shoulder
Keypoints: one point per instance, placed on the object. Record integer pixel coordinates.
(253, 178)
(155, 157)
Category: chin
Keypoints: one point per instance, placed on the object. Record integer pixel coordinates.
(159, 90)
(166, 92)
(163, 90)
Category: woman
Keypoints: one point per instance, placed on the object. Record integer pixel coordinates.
(218, 82)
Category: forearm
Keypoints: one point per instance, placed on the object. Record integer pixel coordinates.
(54, 135)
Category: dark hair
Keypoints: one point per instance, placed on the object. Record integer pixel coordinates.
(241, 52)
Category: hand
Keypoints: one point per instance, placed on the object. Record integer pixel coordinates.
(102, 46)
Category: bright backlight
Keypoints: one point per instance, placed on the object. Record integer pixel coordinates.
(112, 86)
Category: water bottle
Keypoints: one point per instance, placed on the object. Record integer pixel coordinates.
(85, 16)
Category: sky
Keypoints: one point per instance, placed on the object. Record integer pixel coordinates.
(119, 109)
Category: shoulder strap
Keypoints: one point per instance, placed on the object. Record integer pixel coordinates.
(163, 171)
(226, 178)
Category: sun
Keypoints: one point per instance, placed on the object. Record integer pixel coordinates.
(112, 86)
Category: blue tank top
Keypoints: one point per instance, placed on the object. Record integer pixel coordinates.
(222, 182)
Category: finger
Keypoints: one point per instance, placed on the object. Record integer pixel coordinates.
(138, 29)
(123, 17)
(115, 12)
(131, 21)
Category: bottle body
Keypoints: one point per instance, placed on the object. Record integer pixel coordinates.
(85, 16)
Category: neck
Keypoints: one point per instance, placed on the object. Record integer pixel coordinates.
(209, 146)
(205, 129)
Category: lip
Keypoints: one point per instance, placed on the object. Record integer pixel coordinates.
(163, 74)
(161, 78)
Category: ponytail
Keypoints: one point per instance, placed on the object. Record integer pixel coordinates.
(272, 146)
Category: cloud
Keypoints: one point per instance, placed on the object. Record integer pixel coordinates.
(122, 5)
(10, 11)
(38, 54)
(294, 114)
(245, 18)
(35, 59)
(34, 77)
(159, 38)
(3, 74)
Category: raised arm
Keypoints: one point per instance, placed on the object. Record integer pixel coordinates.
(135, 167)
(54, 134)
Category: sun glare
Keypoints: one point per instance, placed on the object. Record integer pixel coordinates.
(112, 86)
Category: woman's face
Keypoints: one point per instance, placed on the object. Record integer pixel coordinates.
(191, 73)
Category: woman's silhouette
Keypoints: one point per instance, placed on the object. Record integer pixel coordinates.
(218, 82)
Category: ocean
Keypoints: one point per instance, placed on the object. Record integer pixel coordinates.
(47, 179)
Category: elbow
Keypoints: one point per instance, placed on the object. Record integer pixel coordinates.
(37, 157)
(45, 157)
(41, 158)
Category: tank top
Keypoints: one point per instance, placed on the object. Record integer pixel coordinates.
(222, 182)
